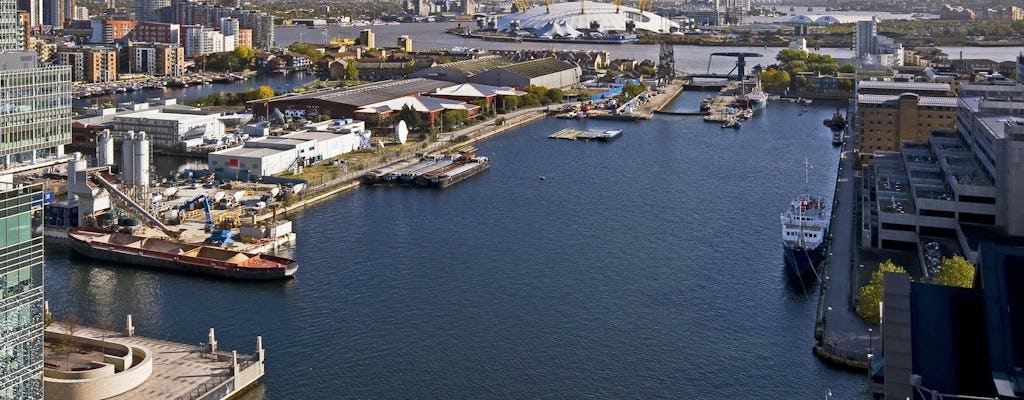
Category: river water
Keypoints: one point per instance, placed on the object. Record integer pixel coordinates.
(648, 267)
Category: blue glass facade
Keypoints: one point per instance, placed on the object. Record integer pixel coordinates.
(21, 292)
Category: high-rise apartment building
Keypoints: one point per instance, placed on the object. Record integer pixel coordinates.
(260, 24)
(34, 9)
(152, 10)
(12, 35)
(21, 291)
(368, 39)
(100, 64)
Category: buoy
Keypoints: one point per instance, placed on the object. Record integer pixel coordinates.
(542, 177)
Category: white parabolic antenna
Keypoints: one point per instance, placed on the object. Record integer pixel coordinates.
(401, 132)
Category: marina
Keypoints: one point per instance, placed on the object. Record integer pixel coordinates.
(507, 311)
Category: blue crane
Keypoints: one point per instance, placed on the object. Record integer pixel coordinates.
(217, 235)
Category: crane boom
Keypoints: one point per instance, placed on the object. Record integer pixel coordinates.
(206, 208)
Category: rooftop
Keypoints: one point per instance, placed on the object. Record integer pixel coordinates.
(166, 115)
(363, 95)
(476, 65)
(254, 152)
(538, 67)
(926, 101)
(905, 86)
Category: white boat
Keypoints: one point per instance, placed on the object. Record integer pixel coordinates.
(804, 229)
(274, 191)
(757, 100)
(298, 188)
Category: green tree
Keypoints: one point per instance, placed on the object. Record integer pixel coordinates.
(530, 100)
(775, 80)
(454, 118)
(632, 90)
(848, 68)
(555, 95)
(351, 71)
(243, 55)
(871, 294)
(411, 117)
(955, 271)
(306, 49)
(510, 103)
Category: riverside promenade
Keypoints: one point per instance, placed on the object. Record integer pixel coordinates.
(841, 337)
(445, 141)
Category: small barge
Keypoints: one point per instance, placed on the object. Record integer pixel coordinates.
(178, 256)
(459, 170)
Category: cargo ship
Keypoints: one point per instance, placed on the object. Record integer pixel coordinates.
(177, 256)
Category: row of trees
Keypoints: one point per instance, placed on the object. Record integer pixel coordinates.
(792, 62)
(234, 99)
(239, 59)
(956, 271)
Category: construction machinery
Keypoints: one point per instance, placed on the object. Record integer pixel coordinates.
(521, 5)
(218, 236)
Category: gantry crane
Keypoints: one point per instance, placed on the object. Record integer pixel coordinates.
(741, 62)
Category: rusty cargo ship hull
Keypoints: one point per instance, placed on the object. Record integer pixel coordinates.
(164, 254)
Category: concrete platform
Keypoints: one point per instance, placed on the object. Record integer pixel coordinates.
(184, 371)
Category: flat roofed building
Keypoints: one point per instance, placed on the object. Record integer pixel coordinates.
(274, 155)
(885, 122)
(177, 128)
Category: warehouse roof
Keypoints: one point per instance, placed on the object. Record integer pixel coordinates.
(929, 101)
(538, 67)
(254, 152)
(363, 95)
(476, 65)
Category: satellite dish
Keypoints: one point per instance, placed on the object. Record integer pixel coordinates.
(401, 132)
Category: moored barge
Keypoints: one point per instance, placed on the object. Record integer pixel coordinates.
(178, 256)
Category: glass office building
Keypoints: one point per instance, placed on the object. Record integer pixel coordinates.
(35, 108)
(21, 292)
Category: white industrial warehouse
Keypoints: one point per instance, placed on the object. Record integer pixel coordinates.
(567, 17)
(275, 154)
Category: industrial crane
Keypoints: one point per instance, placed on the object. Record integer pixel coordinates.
(741, 63)
(217, 236)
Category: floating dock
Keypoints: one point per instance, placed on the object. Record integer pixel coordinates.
(573, 134)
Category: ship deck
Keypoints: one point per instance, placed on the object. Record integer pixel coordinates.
(178, 249)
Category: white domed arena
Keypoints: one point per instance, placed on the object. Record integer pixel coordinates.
(567, 16)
